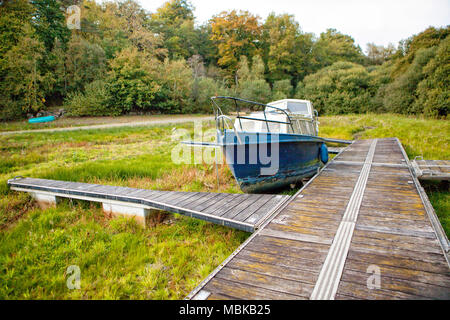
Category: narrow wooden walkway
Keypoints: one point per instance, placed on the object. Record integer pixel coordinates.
(431, 169)
(361, 229)
(241, 211)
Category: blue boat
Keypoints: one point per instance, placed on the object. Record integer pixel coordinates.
(41, 119)
(273, 148)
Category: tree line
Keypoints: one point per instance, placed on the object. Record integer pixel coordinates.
(120, 59)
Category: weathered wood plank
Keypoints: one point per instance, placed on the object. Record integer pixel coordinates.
(400, 285)
(266, 282)
(412, 275)
(238, 290)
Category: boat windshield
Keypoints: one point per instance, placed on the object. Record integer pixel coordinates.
(298, 107)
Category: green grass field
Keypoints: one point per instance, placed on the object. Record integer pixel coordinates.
(119, 259)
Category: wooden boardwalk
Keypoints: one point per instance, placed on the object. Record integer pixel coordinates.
(241, 211)
(431, 169)
(361, 229)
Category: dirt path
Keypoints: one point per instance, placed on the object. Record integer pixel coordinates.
(115, 125)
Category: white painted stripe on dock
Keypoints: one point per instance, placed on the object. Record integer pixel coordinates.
(331, 272)
(202, 295)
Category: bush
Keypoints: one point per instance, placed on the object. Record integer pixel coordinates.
(175, 82)
(282, 89)
(255, 90)
(93, 102)
(10, 110)
(132, 84)
(204, 89)
(401, 93)
(340, 88)
(433, 96)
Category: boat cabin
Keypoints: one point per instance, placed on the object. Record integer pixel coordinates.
(282, 116)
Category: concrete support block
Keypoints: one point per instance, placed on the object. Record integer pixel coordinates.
(45, 201)
(143, 216)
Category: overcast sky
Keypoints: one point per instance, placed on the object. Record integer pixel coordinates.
(378, 21)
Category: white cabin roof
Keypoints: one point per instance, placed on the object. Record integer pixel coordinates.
(298, 106)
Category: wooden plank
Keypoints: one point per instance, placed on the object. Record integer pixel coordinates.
(386, 242)
(398, 231)
(400, 285)
(238, 207)
(289, 248)
(213, 206)
(236, 290)
(412, 275)
(292, 261)
(197, 196)
(204, 204)
(229, 204)
(398, 261)
(267, 201)
(266, 282)
(294, 236)
(429, 257)
(266, 209)
(276, 271)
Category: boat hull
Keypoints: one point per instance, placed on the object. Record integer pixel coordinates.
(263, 162)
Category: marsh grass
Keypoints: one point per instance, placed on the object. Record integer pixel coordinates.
(118, 258)
(65, 122)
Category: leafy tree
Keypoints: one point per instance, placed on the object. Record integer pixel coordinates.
(175, 21)
(379, 54)
(338, 89)
(433, 95)
(235, 34)
(135, 21)
(380, 77)
(282, 89)
(401, 93)
(85, 62)
(103, 25)
(22, 89)
(205, 89)
(431, 37)
(92, 102)
(49, 22)
(132, 84)
(333, 46)
(251, 83)
(176, 80)
(287, 49)
(13, 16)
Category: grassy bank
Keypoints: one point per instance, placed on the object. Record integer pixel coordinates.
(65, 122)
(119, 259)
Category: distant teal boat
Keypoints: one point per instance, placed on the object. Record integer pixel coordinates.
(41, 119)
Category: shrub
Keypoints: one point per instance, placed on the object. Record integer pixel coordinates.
(401, 93)
(433, 96)
(93, 102)
(282, 89)
(255, 90)
(132, 84)
(175, 82)
(204, 89)
(340, 88)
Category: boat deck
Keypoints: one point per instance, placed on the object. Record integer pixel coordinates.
(361, 229)
(241, 211)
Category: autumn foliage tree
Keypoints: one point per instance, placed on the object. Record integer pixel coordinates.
(287, 48)
(235, 34)
(126, 59)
